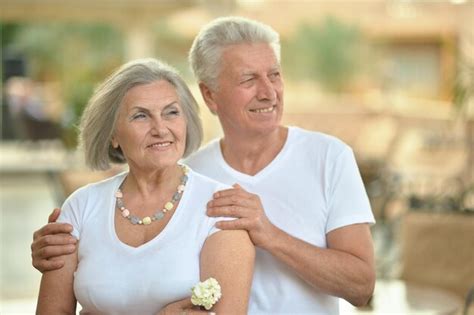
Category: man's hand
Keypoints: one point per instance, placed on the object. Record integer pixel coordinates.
(52, 240)
(248, 210)
(183, 307)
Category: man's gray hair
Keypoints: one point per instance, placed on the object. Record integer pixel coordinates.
(205, 53)
(99, 119)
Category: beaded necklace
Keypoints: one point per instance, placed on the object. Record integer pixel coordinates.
(159, 214)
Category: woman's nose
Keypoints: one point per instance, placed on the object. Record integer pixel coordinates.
(158, 128)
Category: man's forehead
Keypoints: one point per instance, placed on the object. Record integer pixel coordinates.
(248, 58)
(252, 70)
(248, 49)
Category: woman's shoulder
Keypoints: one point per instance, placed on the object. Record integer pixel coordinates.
(204, 182)
(98, 188)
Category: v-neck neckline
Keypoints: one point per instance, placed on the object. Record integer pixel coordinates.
(240, 176)
(166, 230)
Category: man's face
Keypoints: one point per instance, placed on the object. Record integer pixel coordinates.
(249, 98)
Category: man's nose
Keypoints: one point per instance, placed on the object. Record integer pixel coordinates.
(266, 90)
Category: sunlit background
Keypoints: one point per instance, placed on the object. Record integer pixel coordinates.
(392, 78)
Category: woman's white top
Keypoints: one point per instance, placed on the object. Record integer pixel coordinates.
(115, 278)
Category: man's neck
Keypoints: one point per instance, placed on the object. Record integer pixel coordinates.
(252, 154)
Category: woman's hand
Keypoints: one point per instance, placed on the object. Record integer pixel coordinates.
(182, 307)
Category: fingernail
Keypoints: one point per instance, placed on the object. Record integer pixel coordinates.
(211, 313)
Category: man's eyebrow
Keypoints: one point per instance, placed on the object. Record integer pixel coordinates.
(247, 73)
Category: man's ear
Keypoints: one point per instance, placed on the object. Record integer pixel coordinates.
(208, 97)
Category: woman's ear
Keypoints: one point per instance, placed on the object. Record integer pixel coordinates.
(208, 97)
(114, 143)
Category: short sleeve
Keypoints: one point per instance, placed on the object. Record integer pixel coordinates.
(348, 201)
(213, 220)
(213, 229)
(71, 213)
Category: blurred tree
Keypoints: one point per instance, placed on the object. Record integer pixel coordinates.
(463, 99)
(330, 53)
(76, 56)
(172, 47)
(463, 87)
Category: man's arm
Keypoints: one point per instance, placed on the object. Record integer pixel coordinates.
(56, 294)
(52, 241)
(344, 269)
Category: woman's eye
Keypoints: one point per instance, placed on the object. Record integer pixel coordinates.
(138, 116)
(173, 112)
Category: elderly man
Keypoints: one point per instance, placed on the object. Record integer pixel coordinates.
(298, 193)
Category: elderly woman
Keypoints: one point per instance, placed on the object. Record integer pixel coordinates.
(144, 237)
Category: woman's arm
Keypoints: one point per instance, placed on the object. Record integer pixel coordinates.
(56, 295)
(228, 256)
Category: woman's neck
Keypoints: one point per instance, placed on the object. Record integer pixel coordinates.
(146, 183)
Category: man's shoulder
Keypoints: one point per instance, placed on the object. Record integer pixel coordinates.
(312, 139)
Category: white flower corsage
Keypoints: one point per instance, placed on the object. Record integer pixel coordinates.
(206, 293)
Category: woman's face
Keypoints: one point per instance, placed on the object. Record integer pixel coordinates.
(151, 127)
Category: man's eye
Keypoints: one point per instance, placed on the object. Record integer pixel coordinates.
(274, 75)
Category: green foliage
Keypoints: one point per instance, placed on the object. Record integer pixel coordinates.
(76, 56)
(172, 47)
(330, 53)
(463, 87)
(7, 33)
(60, 51)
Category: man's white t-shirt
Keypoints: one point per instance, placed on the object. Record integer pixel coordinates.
(115, 278)
(312, 187)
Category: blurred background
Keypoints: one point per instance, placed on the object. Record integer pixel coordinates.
(392, 78)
